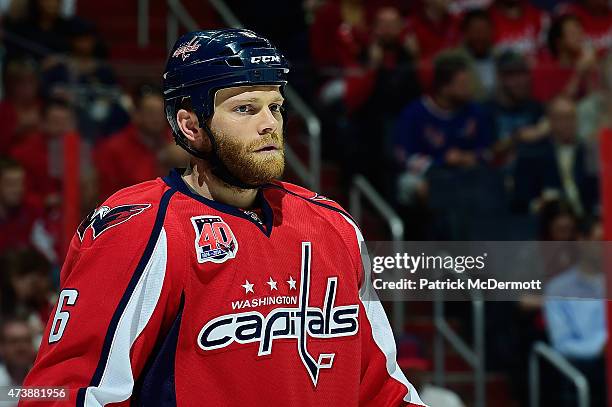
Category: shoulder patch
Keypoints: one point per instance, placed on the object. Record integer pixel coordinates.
(103, 218)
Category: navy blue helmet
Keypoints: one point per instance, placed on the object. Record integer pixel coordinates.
(203, 62)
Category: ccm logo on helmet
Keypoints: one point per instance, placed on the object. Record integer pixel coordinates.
(266, 59)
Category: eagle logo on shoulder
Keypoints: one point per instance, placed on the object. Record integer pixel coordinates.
(321, 198)
(105, 217)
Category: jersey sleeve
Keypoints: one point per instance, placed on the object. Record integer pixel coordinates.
(383, 383)
(120, 291)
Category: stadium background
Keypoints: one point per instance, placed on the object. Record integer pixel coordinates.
(433, 119)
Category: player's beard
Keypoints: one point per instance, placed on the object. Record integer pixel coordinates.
(248, 166)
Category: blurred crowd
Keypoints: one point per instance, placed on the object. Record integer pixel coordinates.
(476, 119)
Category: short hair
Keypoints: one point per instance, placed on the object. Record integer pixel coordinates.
(555, 32)
(472, 15)
(446, 66)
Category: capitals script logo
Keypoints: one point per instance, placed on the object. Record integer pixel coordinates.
(298, 323)
(104, 218)
(185, 50)
(214, 240)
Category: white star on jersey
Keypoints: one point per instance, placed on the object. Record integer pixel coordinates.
(272, 284)
(291, 283)
(248, 287)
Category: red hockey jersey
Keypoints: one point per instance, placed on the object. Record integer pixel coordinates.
(171, 299)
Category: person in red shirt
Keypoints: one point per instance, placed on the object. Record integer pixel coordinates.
(148, 139)
(596, 19)
(569, 67)
(17, 216)
(20, 111)
(518, 25)
(41, 154)
(433, 28)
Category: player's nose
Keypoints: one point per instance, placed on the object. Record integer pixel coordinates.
(267, 122)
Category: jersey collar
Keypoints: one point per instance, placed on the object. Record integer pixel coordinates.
(175, 181)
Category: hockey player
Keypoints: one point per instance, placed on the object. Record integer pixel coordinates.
(219, 285)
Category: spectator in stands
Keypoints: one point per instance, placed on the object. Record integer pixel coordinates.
(146, 140)
(20, 111)
(595, 17)
(40, 32)
(389, 74)
(555, 166)
(88, 82)
(595, 115)
(557, 221)
(515, 114)
(446, 128)
(518, 25)
(478, 45)
(17, 216)
(387, 68)
(432, 28)
(41, 154)
(339, 34)
(460, 7)
(43, 157)
(569, 68)
(576, 317)
(16, 350)
(31, 291)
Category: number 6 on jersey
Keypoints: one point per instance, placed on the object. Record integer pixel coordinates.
(70, 295)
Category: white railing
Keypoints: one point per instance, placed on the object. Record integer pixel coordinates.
(362, 189)
(540, 349)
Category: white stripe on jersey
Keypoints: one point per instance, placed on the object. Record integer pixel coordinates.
(381, 329)
(117, 381)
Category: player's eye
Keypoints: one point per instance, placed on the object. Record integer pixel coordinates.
(276, 108)
(243, 109)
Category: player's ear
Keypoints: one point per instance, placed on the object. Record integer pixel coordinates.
(188, 123)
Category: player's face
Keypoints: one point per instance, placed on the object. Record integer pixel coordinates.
(248, 127)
